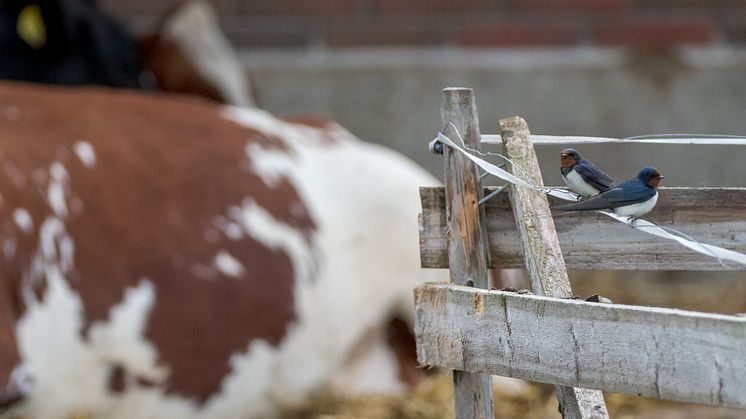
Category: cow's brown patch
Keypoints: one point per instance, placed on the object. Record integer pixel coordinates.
(117, 379)
(311, 121)
(400, 337)
(174, 70)
(9, 358)
(9, 397)
(165, 168)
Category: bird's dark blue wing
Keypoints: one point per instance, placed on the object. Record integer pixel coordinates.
(593, 175)
(627, 193)
(633, 191)
(597, 202)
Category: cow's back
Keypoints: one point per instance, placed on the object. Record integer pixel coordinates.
(168, 255)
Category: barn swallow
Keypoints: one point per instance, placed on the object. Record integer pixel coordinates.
(633, 198)
(582, 176)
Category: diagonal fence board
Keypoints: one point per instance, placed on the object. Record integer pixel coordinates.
(594, 241)
(541, 251)
(656, 352)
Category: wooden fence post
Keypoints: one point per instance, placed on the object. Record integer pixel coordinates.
(541, 250)
(467, 239)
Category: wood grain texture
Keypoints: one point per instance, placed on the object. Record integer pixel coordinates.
(541, 250)
(542, 255)
(467, 241)
(655, 352)
(594, 241)
(467, 245)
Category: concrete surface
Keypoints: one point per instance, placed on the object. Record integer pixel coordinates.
(392, 97)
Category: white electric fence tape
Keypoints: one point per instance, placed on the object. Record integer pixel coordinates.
(642, 139)
(502, 174)
(664, 232)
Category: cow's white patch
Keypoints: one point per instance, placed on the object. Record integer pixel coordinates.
(23, 220)
(69, 374)
(267, 163)
(55, 251)
(196, 30)
(231, 229)
(120, 339)
(56, 189)
(228, 265)
(57, 247)
(363, 260)
(85, 153)
(21, 379)
(57, 172)
(244, 390)
(269, 125)
(55, 325)
(374, 369)
(275, 234)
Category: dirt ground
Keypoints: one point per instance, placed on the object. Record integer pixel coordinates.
(433, 399)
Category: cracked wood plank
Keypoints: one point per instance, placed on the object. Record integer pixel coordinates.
(541, 251)
(595, 241)
(655, 352)
(467, 245)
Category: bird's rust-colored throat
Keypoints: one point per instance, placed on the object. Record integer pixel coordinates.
(566, 160)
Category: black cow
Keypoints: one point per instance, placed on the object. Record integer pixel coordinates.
(68, 42)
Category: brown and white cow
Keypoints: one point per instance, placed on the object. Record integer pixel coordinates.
(166, 257)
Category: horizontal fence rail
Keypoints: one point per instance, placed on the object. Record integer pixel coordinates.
(662, 353)
(594, 241)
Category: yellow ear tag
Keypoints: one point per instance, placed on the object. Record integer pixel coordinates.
(30, 26)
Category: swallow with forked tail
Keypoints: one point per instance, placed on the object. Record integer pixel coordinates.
(633, 198)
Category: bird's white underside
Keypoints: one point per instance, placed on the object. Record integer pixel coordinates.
(639, 209)
(576, 184)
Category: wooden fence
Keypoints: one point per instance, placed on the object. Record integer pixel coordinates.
(581, 347)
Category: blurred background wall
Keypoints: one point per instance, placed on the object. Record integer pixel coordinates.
(591, 67)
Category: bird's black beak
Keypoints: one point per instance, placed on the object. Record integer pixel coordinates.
(661, 177)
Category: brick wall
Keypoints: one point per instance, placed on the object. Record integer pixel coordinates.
(466, 23)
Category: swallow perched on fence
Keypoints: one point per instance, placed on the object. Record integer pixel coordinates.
(633, 198)
(582, 176)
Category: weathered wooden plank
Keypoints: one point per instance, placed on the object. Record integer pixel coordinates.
(467, 246)
(542, 255)
(541, 250)
(467, 242)
(655, 352)
(594, 241)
